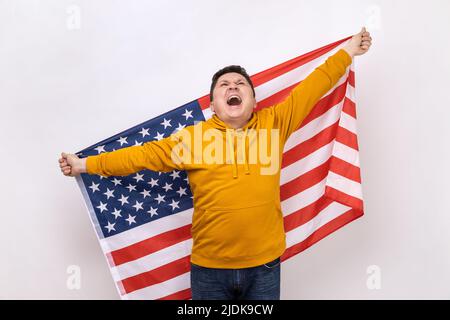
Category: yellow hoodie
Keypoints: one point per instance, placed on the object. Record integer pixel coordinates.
(237, 220)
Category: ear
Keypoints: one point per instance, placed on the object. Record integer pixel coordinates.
(211, 105)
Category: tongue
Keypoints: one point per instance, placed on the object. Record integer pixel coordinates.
(234, 101)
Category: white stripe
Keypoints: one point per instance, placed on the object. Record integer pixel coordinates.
(303, 199)
(162, 289)
(147, 230)
(207, 113)
(314, 127)
(306, 164)
(346, 153)
(281, 82)
(345, 185)
(153, 260)
(328, 214)
(350, 94)
(348, 122)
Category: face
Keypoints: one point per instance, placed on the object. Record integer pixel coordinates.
(233, 99)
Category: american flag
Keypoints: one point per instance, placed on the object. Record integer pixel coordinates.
(143, 220)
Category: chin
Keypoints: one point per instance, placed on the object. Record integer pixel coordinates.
(236, 115)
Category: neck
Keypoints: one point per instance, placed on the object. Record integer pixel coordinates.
(238, 123)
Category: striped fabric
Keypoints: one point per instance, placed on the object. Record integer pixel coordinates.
(320, 186)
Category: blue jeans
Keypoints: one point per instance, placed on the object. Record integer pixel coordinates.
(256, 283)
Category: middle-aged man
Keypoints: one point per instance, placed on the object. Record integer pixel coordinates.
(237, 228)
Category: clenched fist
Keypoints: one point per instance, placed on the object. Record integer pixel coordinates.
(71, 165)
(359, 43)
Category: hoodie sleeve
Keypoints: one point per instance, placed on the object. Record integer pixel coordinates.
(290, 113)
(152, 155)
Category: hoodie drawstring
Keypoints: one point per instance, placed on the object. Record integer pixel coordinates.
(244, 146)
(229, 139)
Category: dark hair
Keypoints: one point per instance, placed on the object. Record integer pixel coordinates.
(229, 69)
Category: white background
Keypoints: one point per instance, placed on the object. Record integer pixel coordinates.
(63, 88)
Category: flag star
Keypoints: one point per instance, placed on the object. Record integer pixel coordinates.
(100, 149)
(109, 193)
(144, 132)
(145, 193)
(182, 191)
(131, 219)
(116, 213)
(136, 143)
(167, 187)
(138, 206)
(138, 177)
(110, 227)
(174, 204)
(186, 179)
(159, 136)
(124, 200)
(94, 187)
(131, 187)
(122, 141)
(153, 182)
(166, 123)
(160, 198)
(117, 181)
(188, 114)
(175, 174)
(180, 126)
(153, 212)
(102, 207)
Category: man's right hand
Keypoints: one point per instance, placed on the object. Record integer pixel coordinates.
(71, 165)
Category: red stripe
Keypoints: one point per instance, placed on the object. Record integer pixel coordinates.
(349, 107)
(345, 169)
(275, 98)
(204, 102)
(304, 181)
(352, 78)
(158, 275)
(302, 216)
(326, 103)
(322, 106)
(145, 247)
(322, 232)
(309, 146)
(347, 137)
(314, 176)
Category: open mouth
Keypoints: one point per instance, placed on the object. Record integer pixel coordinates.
(234, 100)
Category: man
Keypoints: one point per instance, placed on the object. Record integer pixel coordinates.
(237, 228)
